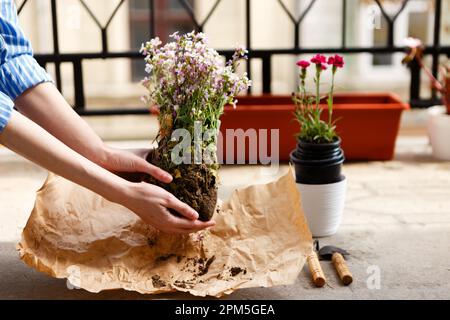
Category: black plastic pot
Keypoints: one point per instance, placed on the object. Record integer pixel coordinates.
(318, 163)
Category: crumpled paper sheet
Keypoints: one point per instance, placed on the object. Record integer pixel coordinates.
(261, 239)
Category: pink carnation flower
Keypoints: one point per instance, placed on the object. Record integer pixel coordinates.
(336, 61)
(303, 64)
(319, 59)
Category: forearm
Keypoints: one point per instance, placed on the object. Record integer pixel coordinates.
(45, 106)
(34, 143)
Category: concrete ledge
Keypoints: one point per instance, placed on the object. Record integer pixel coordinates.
(396, 220)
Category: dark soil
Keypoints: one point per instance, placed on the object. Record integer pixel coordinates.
(203, 269)
(157, 282)
(234, 271)
(194, 184)
(165, 257)
(152, 240)
(184, 284)
(198, 266)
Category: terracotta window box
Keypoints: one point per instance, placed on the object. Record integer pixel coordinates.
(368, 123)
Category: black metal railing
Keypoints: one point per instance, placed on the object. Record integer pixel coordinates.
(266, 55)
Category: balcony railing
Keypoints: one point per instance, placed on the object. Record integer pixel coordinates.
(435, 50)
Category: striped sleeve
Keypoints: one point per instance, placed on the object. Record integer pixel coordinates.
(21, 73)
(6, 108)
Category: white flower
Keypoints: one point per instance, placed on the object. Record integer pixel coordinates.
(143, 49)
(155, 42)
(411, 42)
(148, 68)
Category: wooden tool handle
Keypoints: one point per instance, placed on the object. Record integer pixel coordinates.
(342, 269)
(317, 274)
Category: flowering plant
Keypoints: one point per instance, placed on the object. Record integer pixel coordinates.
(307, 110)
(190, 84)
(415, 52)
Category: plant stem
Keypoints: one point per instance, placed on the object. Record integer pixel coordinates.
(317, 88)
(330, 97)
(318, 71)
(435, 83)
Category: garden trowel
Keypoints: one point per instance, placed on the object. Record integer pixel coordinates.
(336, 256)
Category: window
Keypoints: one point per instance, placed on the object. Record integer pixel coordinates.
(380, 37)
(171, 16)
(414, 22)
(418, 25)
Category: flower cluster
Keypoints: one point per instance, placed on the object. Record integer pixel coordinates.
(321, 61)
(189, 81)
(307, 111)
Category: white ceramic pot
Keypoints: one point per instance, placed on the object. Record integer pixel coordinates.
(438, 128)
(323, 205)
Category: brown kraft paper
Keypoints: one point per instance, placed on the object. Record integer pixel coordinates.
(261, 239)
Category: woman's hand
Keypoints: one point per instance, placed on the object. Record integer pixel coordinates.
(118, 160)
(151, 204)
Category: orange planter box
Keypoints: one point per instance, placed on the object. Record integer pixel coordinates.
(368, 124)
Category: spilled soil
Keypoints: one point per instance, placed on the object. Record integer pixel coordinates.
(197, 268)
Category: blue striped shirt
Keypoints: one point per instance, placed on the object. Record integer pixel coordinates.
(19, 71)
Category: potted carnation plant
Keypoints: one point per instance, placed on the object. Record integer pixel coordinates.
(438, 124)
(318, 156)
(189, 84)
